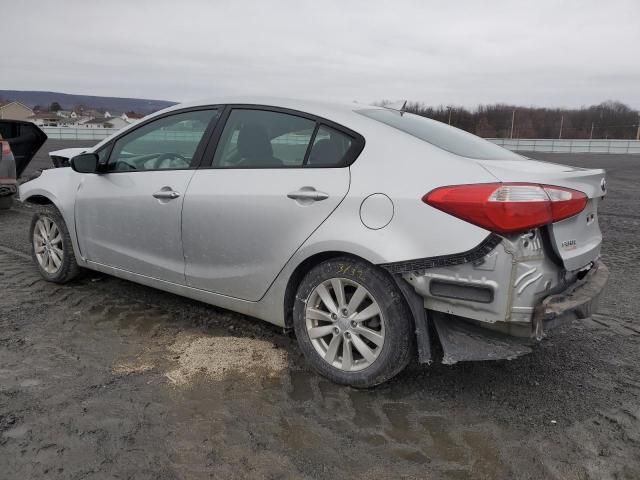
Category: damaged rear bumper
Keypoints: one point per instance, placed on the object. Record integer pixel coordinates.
(578, 301)
(468, 340)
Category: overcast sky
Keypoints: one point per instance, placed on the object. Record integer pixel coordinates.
(548, 53)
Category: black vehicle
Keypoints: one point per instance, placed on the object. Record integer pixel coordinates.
(19, 142)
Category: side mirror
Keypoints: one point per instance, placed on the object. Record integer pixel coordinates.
(85, 163)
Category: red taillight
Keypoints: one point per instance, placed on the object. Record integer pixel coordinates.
(507, 207)
(6, 149)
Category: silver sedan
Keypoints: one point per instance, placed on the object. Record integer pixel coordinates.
(369, 231)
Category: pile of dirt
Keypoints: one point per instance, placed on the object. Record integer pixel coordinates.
(216, 357)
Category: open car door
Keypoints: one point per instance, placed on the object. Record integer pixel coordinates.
(24, 138)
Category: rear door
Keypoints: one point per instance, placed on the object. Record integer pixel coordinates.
(129, 216)
(275, 177)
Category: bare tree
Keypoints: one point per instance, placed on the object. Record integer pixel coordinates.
(609, 119)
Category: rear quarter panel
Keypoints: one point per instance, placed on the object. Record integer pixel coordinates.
(404, 169)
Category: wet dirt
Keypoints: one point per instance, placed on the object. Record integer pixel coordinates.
(104, 378)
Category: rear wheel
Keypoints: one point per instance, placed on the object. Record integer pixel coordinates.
(52, 250)
(352, 323)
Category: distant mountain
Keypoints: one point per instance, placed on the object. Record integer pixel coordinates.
(68, 101)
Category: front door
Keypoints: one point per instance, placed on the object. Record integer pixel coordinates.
(275, 178)
(129, 216)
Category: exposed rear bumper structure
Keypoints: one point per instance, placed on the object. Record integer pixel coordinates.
(465, 341)
(508, 322)
(579, 301)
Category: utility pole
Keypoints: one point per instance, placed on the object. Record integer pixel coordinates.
(449, 108)
(591, 135)
(638, 132)
(513, 121)
(561, 122)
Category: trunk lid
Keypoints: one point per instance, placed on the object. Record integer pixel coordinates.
(575, 240)
(25, 139)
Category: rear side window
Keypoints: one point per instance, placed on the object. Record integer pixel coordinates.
(441, 135)
(329, 148)
(263, 139)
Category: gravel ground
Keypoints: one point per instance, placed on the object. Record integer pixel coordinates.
(104, 378)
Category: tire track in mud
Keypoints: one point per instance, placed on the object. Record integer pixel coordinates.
(303, 409)
(300, 407)
(13, 251)
(597, 439)
(84, 320)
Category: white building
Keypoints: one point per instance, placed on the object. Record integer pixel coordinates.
(67, 114)
(131, 117)
(105, 122)
(47, 119)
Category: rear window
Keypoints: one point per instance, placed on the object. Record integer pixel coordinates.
(329, 148)
(441, 135)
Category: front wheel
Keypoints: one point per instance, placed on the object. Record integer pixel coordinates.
(51, 247)
(352, 323)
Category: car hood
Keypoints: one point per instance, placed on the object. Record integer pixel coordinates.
(25, 139)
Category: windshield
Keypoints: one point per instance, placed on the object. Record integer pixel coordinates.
(441, 135)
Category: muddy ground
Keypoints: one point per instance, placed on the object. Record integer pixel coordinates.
(104, 378)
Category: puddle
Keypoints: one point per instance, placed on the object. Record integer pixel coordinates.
(301, 389)
(444, 446)
(138, 316)
(488, 463)
(401, 431)
(363, 402)
(297, 434)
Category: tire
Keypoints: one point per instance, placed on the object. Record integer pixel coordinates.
(386, 351)
(66, 268)
(6, 202)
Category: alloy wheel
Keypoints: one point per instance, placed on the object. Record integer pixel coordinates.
(345, 324)
(47, 245)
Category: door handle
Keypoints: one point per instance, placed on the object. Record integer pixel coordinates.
(308, 194)
(166, 194)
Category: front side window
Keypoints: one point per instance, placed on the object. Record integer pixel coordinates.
(263, 139)
(167, 143)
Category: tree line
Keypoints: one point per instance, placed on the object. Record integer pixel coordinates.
(610, 119)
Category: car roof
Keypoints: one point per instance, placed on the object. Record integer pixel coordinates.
(340, 113)
(315, 107)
